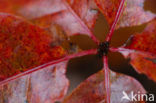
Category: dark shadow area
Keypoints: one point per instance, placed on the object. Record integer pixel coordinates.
(121, 35)
(83, 41)
(150, 5)
(81, 68)
(101, 28)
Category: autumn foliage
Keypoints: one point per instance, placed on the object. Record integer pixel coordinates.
(33, 61)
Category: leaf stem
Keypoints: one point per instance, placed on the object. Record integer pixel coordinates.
(127, 50)
(107, 78)
(120, 49)
(66, 58)
(110, 34)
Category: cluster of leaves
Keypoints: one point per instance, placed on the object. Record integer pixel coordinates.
(33, 62)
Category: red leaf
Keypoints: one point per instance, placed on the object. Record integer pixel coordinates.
(27, 48)
(86, 9)
(44, 86)
(142, 51)
(134, 14)
(92, 90)
(109, 8)
(24, 46)
(46, 13)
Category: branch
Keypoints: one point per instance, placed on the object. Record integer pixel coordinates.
(83, 53)
(110, 34)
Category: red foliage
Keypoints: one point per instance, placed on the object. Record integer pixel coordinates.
(46, 13)
(37, 87)
(111, 6)
(93, 90)
(33, 64)
(144, 56)
(24, 46)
